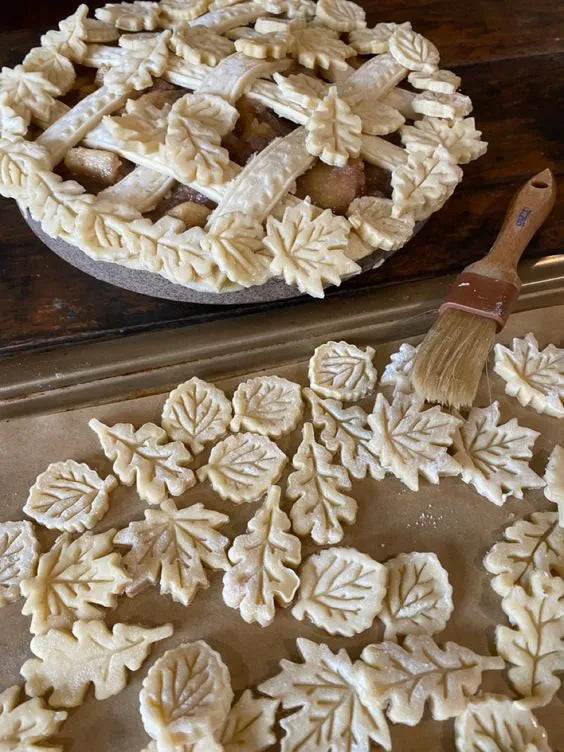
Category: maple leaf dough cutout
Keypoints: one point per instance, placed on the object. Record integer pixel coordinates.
(70, 39)
(418, 596)
(333, 131)
(261, 575)
(196, 413)
(26, 725)
(413, 51)
(145, 58)
(28, 94)
(186, 695)
(459, 137)
(301, 89)
(397, 373)
(146, 457)
(184, 10)
(316, 46)
(533, 545)
(171, 546)
(199, 45)
(54, 66)
(136, 16)
(73, 580)
(331, 713)
(441, 81)
(243, 467)
(316, 487)
(372, 218)
(308, 251)
(345, 430)
(69, 496)
(269, 405)
(410, 440)
(235, 242)
(494, 722)
(143, 125)
(341, 591)
(449, 106)
(253, 44)
(249, 725)
(554, 479)
(376, 40)
(19, 552)
(495, 458)
(67, 662)
(534, 646)
(405, 678)
(340, 15)
(342, 371)
(535, 377)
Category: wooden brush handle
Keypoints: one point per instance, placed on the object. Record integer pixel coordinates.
(526, 213)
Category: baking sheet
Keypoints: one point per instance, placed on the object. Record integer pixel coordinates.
(450, 519)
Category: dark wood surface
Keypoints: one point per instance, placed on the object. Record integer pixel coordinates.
(510, 54)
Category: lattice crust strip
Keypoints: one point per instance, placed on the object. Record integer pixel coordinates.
(217, 53)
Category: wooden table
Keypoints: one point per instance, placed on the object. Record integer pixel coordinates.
(510, 54)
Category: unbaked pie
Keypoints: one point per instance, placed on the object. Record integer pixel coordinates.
(220, 144)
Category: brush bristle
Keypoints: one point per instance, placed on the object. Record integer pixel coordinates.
(451, 358)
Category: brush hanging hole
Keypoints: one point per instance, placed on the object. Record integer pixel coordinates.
(539, 184)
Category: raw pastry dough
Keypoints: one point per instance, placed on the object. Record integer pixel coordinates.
(405, 678)
(397, 373)
(554, 479)
(410, 440)
(375, 41)
(186, 695)
(535, 377)
(69, 496)
(418, 596)
(534, 646)
(533, 545)
(494, 722)
(268, 405)
(440, 81)
(316, 46)
(372, 219)
(171, 546)
(196, 413)
(413, 51)
(249, 725)
(495, 458)
(73, 580)
(134, 16)
(341, 591)
(67, 662)
(341, 15)
(316, 486)
(19, 552)
(330, 713)
(199, 45)
(24, 726)
(242, 467)
(333, 131)
(459, 137)
(261, 561)
(345, 430)
(454, 106)
(146, 457)
(342, 371)
(235, 242)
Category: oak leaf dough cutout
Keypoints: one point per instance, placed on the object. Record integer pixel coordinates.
(146, 458)
(329, 710)
(268, 405)
(19, 553)
(341, 591)
(68, 661)
(69, 496)
(535, 377)
(173, 547)
(345, 430)
(261, 559)
(242, 467)
(27, 725)
(410, 440)
(531, 545)
(554, 479)
(495, 458)
(196, 413)
(459, 137)
(342, 371)
(534, 646)
(74, 579)
(494, 722)
(405, 678)
(186, 696)
(418, 596)
(316, 485)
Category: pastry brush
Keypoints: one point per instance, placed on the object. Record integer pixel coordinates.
(451, 358)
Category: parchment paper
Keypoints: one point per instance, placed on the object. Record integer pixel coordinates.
(450, 519)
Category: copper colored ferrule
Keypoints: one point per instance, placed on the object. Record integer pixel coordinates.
(482, 296)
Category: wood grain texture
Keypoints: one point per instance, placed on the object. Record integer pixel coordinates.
(511, 59)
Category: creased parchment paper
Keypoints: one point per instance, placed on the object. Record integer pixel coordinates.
(450, 519)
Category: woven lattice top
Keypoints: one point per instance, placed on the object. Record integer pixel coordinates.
(171, 82)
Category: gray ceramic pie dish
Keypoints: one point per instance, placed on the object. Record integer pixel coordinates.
(148, 283)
